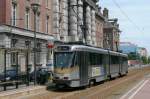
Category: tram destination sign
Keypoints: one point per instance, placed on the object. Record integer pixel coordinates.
(63, 48)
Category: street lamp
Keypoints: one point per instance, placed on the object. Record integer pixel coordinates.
(35, 8)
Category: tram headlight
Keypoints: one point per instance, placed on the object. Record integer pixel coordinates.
(66, 78)
(56, 77)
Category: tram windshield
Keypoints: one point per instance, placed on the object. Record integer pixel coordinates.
(63, 59)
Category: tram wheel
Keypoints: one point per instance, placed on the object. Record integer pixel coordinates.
(109, 77)
(92, 83)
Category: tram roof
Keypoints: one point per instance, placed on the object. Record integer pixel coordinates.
(88, 48)
(93, 49)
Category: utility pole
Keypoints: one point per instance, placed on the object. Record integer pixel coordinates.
(82, 26)
(84, 21)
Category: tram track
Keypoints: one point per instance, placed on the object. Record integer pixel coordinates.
(109, 90)
(104, 90)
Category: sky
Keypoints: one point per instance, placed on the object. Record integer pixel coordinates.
(134, 20)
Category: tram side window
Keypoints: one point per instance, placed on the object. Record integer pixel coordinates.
(95, 59)
(114, 60)
(81, 58)
(125, 60)
(77, 59)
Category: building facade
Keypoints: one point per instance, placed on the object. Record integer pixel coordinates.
(17, 33)
(111, 32)
(62, 20)
(99, 28)
(127, 47)
(142, 51)
(19, 13)
(74, 20)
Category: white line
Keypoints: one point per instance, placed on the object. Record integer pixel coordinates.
(124, 96)
(131, 97)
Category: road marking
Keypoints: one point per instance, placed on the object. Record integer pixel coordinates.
(111, 86)
(124, 96)
(145, 82)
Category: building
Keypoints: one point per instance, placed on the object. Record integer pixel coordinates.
(17, 32)
(127, 47)
(100, 20)
(64, 20)
(142, 51)
(131, 50)
(74, 20)
(19, 13)
(111, 32)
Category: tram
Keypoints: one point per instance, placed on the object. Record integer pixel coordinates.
(81, 65)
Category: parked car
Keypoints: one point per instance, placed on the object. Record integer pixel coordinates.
(42, 75)
(11, 74)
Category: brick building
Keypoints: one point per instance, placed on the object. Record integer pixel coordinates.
(111, 32)
(17, 31)
(19, 13)
(99, 27)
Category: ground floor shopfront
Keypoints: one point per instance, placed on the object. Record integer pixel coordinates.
(17, 50)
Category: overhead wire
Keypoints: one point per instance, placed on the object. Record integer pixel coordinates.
(128, 18)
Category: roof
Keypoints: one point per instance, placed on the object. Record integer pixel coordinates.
(93, 49)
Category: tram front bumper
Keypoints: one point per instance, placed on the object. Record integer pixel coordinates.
(62, 82)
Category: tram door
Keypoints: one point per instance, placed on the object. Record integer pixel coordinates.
(83, 66)
(120, 64)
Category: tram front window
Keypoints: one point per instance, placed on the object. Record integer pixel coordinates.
(63, 60)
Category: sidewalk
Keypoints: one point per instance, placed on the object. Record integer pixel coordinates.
(140, 91)
(14, 94)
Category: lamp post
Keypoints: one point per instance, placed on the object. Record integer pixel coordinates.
(35, 8)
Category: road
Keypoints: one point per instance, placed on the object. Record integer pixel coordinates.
(114, 89)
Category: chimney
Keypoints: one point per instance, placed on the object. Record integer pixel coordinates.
(105, 13)
(99, 9)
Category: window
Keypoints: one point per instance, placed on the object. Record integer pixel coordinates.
(14, 58)
(114, 59)
(47, 19)
(39, 45)
(13, 42)
(27, 18)
(14, 14)
(28, 44)
(63, 59)
(96, 59)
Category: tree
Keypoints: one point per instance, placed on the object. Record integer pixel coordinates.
(144, 60)
(132, 56)
(148, 60)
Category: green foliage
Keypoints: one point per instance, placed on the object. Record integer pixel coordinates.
(148, 60)
(132, 56)
(144, 60)
(135, 56)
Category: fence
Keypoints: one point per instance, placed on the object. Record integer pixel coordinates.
(16, 67)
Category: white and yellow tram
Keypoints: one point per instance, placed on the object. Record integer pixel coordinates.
(80, 65)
